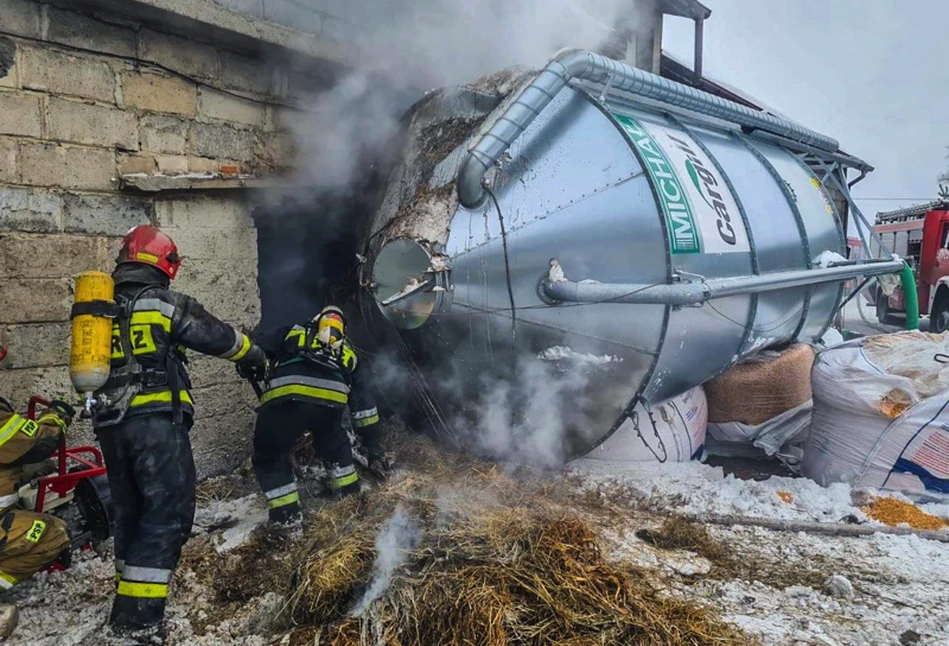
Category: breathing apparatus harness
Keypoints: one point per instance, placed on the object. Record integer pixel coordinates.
(319, 347)
(132, 377)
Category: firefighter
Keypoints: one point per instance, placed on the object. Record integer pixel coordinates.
(314, 374)
(29, 542)
(143, 416)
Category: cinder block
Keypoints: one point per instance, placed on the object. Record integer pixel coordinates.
(87, 123)
(249, 74)
(215, 213)
(24, 209)
(135, 164)
(58, 73)
(35, 300)
(221, 400)
(162, 134)
(105, 215)
(18, 385)
(218, 244)
(180, 54)
(8, 168)
(222, 436)
(284, 119)
(45, 256)
(211, 371)
(279, 150)
(20, 17)
(9, 76)
(71, 28)
(67, 167)
(159, 93)
(219, 105)
(38, 346)
(172, 164)
(227, 286)
(222, 142)
(20, 114)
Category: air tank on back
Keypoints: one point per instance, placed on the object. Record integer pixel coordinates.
(592, 237)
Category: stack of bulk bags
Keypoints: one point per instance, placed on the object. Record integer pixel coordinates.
(670, 432)
(881, 414)
(762, 405)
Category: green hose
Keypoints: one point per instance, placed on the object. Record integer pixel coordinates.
(910, 297)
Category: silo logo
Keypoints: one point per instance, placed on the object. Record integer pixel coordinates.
(705, 183)
(683, 234)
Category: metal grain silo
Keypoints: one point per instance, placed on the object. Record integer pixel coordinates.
(600, 221)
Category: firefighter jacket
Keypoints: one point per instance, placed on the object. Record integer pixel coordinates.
(149, 335)
(24, 441)
(302, 369)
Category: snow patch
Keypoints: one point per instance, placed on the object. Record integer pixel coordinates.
(563, 353)
(828, 259)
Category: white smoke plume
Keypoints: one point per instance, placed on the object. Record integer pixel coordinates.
(400, 535)
(528, 426)
(404, 47)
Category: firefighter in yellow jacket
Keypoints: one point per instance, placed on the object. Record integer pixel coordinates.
(29, 542)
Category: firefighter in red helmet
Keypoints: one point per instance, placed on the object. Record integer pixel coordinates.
(143, 418)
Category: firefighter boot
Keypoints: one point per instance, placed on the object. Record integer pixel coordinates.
(138, 620)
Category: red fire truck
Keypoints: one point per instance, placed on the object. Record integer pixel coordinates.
(920, 235)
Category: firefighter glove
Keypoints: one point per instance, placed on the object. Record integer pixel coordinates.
(64, 410)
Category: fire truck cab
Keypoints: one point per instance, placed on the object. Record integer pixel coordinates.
(920, 235)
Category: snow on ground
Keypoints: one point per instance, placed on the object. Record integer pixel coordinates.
(695, 488)
(901, 582)
(237, 519)
(71, 608)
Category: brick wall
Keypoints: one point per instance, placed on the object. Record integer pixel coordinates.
(85, 99)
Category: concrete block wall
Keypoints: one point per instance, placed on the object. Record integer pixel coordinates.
(83, 100)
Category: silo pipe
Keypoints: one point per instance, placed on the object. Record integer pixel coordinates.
(698, 292)
(587, 66)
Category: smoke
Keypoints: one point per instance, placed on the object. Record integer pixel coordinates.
(400, 534)
(528, 423)
(404, 48)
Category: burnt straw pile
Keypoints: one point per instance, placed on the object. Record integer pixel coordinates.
(460, 553)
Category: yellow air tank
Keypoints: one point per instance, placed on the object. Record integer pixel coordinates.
(91, 350)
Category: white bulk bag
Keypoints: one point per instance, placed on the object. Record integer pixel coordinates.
(880, 416)
(670, 432)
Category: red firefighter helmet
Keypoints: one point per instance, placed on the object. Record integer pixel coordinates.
(148, 245)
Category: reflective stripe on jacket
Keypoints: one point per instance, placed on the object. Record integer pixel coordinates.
(24, 441)
(161, 325)
(315, 374)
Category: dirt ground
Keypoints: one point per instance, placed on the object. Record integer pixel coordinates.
(241, 582)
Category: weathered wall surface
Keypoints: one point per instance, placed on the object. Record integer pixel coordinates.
(83, 100)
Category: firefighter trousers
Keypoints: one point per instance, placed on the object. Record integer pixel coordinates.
(29, 542)
(279, 426)
(152, 476)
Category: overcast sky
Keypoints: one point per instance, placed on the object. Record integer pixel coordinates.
(873, 74)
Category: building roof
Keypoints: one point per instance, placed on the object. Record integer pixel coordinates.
(911, 212)
(686, 9)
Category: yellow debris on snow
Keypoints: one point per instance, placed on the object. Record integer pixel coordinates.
(893, 512)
